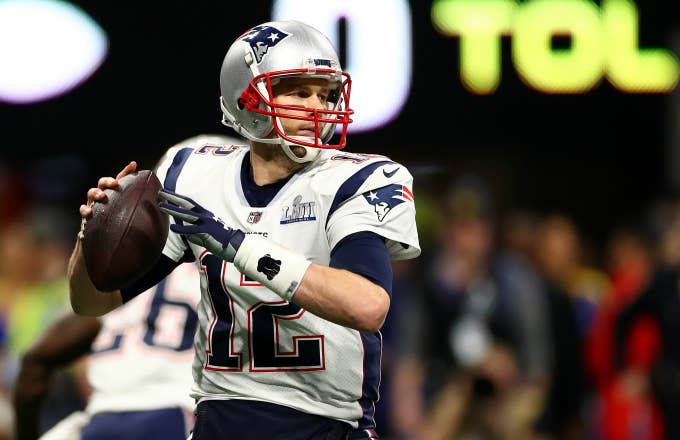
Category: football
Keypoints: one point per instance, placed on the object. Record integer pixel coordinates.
(126, 233)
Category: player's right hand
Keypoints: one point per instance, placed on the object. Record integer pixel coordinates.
(98, 195)
(201, 226)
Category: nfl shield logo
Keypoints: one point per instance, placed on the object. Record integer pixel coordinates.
(254, 216)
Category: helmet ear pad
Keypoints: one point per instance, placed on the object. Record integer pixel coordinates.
(257, 124)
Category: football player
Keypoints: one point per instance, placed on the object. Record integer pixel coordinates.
(141, 338)
(139, 367)
(294, 240)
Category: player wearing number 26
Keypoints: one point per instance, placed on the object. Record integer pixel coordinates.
(294, 240)
(149, 339)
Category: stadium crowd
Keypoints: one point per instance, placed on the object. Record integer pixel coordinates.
(511, 325)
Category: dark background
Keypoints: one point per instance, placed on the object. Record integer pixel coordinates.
(600, 157)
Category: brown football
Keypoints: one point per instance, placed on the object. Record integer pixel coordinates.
(126, 233)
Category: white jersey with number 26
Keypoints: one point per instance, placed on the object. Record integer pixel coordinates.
(251, 344)
(141, 358)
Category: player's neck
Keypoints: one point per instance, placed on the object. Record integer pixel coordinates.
(270, 164)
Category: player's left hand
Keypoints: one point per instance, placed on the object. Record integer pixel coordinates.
(203, 227)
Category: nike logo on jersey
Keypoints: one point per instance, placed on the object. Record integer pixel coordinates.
(389, 174)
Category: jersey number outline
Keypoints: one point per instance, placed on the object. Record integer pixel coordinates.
(356, 158)
(154, 335)
(264, 322)
(217, 150)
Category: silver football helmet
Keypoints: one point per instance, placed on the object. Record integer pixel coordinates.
(257, 60)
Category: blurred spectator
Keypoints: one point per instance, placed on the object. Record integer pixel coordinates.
(561, 258)
(400, 410)
(17, 269)
(480, 375)
(625, 408)
(660, 300)
(35, 289)
(44, 248)
(556, 252)
(13, 195)
(35, 241)
(518, 234)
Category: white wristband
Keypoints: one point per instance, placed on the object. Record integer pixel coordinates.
(277, 267)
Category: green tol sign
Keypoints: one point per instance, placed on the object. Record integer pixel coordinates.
(603, 44)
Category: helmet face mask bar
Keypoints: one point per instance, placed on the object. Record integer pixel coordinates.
(324, 121)
(264, 56)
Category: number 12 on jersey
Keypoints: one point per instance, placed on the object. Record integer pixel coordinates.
(264, 321)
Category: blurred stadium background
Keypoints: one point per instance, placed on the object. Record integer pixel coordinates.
(554, 123)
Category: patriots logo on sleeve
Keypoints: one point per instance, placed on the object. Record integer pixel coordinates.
(261, 38)
(385, 198)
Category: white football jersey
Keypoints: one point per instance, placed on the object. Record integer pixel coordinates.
(141, 358)
(252, 344)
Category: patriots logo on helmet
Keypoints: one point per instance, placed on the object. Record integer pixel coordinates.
(385, 198)
(261, 38)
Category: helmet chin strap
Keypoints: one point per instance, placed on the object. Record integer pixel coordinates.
(310, 152)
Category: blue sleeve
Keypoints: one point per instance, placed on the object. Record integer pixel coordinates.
(364, 253)
(158, 272)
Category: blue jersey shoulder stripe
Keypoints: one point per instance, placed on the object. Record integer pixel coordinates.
(175, 168)
(351, 185)
(171, 179)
